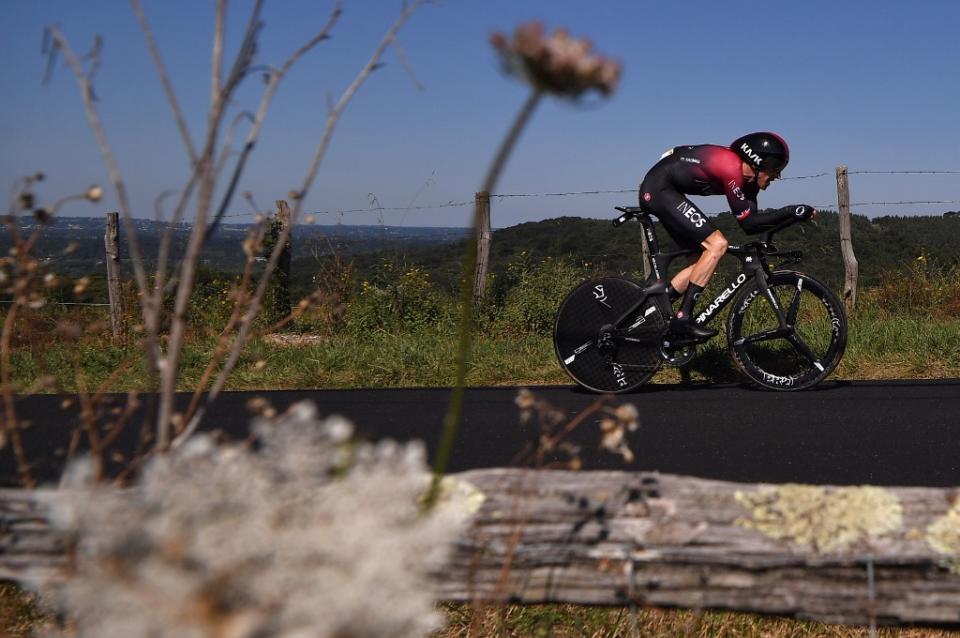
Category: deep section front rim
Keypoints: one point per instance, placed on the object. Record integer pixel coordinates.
(806, 352)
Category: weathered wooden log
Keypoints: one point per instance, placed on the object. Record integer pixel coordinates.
(846, 555)
(849, 555)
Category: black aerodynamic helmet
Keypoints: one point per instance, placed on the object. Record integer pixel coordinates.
(764, 151)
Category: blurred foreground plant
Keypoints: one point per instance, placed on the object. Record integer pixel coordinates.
(311, 535)
(209, 156)
(557, 65)
(25, 279)
(549, 448)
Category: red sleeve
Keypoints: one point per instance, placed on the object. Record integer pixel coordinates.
(741, 197)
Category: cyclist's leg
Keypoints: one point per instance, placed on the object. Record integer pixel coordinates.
(682, 278)
(714, 248)
(690, 228)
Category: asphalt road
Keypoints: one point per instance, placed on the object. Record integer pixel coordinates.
(903, 433)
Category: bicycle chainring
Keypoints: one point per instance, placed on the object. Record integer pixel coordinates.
(677, 357)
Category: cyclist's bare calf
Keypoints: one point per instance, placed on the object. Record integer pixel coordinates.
(702, 266)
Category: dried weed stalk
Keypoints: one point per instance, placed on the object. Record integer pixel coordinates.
(207, 161)
(550, 65)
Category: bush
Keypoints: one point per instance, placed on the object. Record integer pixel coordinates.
(211, 303)
(924, 289)
(398, 297)
(526, 298)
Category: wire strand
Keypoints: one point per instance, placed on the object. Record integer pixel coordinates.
(903, 172)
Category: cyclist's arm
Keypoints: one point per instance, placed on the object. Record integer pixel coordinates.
(759, 222)
(741, 197)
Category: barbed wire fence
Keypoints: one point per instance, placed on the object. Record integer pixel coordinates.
(322, 217)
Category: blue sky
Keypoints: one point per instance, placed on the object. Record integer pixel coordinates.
(873, 85)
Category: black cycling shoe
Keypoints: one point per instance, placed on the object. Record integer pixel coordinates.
(687, 328)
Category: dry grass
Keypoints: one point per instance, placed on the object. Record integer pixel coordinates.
(20, 616)
(578, 621)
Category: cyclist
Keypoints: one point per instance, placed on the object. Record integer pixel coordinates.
(740, 172)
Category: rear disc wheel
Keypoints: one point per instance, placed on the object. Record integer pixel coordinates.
(591, 353)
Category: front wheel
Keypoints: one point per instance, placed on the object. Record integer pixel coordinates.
(592, 352)
(794, 356)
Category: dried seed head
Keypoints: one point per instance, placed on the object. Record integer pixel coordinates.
(81, 286)
(311, 219)
(42, 215)
(558, 64)
(261, 406)
(71, 247)
(295, 194)
(524, 399)
(628, 416)
(69, 330)
(94, 194)
(26, 201)
(38, 176)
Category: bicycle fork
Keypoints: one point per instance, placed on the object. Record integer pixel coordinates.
(785, 320)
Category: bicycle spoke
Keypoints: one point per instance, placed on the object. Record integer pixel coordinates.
(794, 307)
(804, 349)
(766, 335)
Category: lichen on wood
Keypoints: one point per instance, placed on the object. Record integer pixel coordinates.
(828, 520)
(943, 537)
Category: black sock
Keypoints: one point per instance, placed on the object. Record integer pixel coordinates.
(672, 293)
(689, 300)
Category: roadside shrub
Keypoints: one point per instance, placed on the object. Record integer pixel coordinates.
(924, 289)
(530, 294)
(398, 297)
(334, 284)
(211, 303)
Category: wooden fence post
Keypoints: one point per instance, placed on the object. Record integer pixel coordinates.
(482, 202)
(111, 240)
(277, 305)
(850, 266)
(646, 256)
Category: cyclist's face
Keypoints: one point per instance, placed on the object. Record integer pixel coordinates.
(764, 178)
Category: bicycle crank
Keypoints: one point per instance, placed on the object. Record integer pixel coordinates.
(676, 353)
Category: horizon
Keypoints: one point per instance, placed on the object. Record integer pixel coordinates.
(403, 156)
(27, 222)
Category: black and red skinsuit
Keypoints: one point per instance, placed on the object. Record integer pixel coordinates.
(705, 169)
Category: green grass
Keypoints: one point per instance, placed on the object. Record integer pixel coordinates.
(879, 347)
(399, 330)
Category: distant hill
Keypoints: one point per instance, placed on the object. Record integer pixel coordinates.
(882, 244)
(223, 252)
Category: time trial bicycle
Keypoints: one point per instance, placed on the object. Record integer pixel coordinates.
(785, 331)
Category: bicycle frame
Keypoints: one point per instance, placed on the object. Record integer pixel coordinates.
(753, 261)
